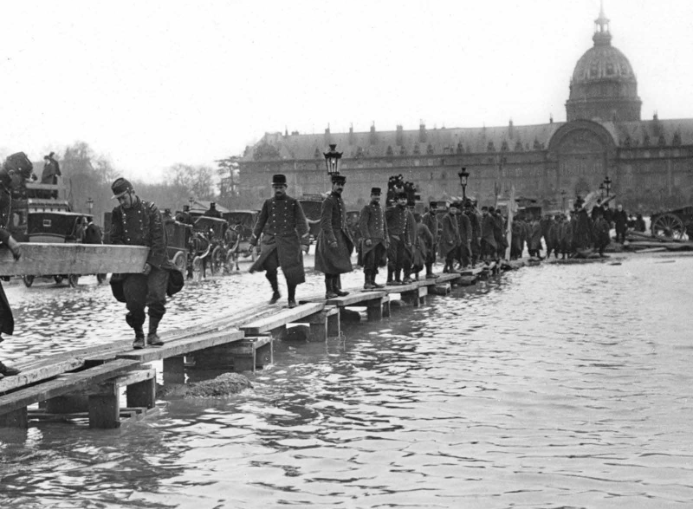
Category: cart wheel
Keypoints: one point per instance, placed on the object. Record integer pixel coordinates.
(217, 261)
(180, 261)
(101, 278)
(669, 226)
(58, 279)
(28, 281)
(73, 279)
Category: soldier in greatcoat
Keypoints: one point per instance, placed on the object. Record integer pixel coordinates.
(399, 254)
(11, 177)
(135, 222)
(464, 226)
(449, 237)
(430, 220)
(475, 220)
(284, 228)
(425, 243)
(374, 239)
(488, 239)
(334, 244)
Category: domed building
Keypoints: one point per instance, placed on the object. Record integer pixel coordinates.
(649, 162)
(603, 86)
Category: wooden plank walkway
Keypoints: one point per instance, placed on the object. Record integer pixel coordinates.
(243, 341)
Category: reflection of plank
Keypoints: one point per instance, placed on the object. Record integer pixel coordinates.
(39, 259)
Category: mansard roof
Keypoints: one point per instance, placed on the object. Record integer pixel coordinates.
(437, 141)
(451, 141)
(655, 132)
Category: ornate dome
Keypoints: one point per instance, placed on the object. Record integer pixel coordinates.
(603, 85)
(603, 61)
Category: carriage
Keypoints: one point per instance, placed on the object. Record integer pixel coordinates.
(241, 223)
(673, 224)
(208, 246)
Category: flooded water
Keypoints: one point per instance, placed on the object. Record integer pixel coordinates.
(552, 386)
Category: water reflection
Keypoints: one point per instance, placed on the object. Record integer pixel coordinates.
(555, 386)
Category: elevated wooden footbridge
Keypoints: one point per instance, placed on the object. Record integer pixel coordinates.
(88, 383)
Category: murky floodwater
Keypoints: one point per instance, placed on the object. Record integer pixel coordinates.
(554, 386)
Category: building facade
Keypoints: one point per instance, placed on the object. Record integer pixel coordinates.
(650, 162)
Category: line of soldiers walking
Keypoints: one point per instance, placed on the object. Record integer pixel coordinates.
(393, 236)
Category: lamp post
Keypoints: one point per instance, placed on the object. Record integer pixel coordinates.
(601, 189)
(464, 175)
(607, 184)
(90, 204)
(191, 202)
(332, 160)
(563, 193)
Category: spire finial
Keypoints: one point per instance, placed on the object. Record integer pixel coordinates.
(602, 36)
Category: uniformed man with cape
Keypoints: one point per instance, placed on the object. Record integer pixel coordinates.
(284, 229)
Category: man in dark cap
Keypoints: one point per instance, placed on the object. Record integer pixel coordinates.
(135, 222)
(334, 245)
(399, 254)
(212, 211)
(184, 216)
(374, 239)
(284, 228)
(430, 220)
(12, 176)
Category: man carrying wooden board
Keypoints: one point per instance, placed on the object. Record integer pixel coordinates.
(15, 170)
(136, 222)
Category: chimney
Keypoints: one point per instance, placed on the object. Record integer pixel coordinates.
(511, 131)
(351, 134)
(372, 138)
(422, 132)
(399, 137)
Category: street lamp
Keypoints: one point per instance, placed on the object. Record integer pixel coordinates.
(90, 204)
(601, 189)
(607, 183)
(563, 193)
(464, 175)
(332, 160)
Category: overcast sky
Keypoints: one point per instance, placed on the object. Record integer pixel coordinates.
(154, 83)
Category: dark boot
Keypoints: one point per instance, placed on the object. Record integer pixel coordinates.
(153, 338)
(8, 370)
(368, 285)
(139, 333)
(272, 278)
(338, 286)
(389, 275)
(292, 295)
(329, 287)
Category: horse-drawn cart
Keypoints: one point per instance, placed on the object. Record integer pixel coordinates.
(673, 224)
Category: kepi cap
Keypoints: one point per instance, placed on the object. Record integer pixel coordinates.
(120, 186)
(279, 180)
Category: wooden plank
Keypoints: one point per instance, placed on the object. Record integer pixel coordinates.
(30, 376)
(64, 384)
(448, 277)
(357, 298)
(183, 346)
(39, 259)
(403, 288)
(281, 318)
